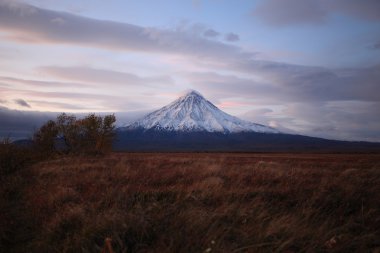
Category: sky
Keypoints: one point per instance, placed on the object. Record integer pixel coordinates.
(310, 67)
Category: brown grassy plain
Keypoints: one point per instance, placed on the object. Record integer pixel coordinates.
(200, 202)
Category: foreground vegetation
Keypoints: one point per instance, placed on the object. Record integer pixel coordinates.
(196, 203)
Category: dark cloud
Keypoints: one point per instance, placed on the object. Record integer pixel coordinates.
(294, 12)
(103, 76)
(231, 37)
(211, 33)
(20, 124)
(22, 103)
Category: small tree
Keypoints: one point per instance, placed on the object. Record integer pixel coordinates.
(106, 138)
(13, 157)
(45, 137)
(69, 131)
(97, 133)
(90, 132)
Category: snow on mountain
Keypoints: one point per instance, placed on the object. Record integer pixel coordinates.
(192, 112)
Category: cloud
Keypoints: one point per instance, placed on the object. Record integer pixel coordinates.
(266, 116)
(58, 21)
(294, 12)
(276, 83)
(337, 104)
(318, 83)
(343, 119)
(94, 100)
(288, 12)
(211, 33)
(217, 86)
(365, 9)
(376, 45)
(333, 120)
(57, 94)
(231, 37)
(22, 103)
(74, 99)
(26, 21)
(103, 76)
(21, 124)
(6, 80)
(57, 105)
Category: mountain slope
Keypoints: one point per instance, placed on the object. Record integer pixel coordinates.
(193, 113)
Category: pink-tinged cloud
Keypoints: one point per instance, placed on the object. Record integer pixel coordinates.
(232, 104)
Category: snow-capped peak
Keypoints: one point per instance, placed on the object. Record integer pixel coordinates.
(191, 93)
(192, 112)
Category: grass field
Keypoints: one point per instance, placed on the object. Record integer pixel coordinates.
(195, 202)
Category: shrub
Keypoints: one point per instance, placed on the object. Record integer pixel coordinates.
(13, 157)
(45, 137)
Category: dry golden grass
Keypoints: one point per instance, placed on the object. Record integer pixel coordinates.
(189, 202)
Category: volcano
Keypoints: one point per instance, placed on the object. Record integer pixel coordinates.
(193, 113)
